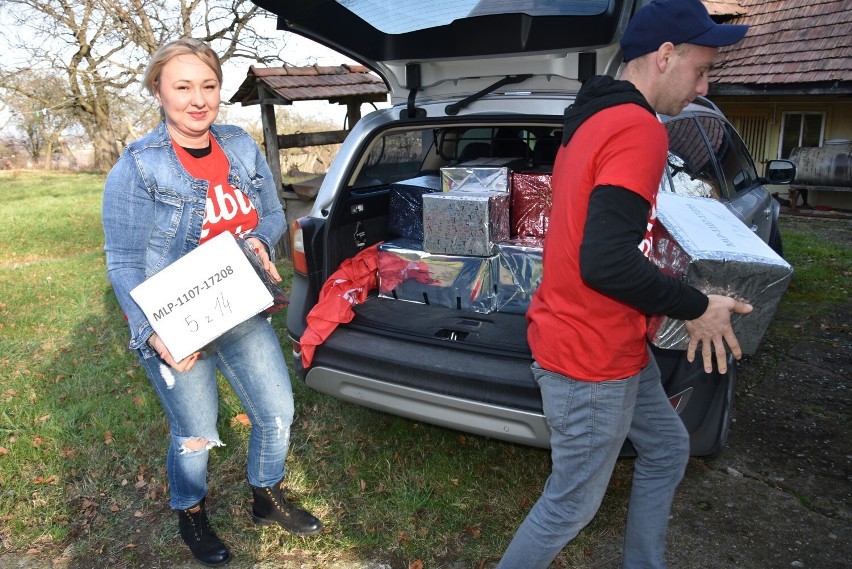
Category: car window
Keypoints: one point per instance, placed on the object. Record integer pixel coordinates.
(690, 163)
(404, 16)
(732, 155)
(395, 155)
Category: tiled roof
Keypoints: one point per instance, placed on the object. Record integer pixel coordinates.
(789, 42)
(311, 83)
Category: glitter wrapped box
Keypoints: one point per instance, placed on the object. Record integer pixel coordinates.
(478, 175)
(518, 274)
(405, 205)
(465, 223)
(406, 272)
(700, 241)
(531, 201)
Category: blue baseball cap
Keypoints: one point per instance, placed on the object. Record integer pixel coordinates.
(676, 21)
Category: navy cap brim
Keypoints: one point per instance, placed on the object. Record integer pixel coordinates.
(720, 35)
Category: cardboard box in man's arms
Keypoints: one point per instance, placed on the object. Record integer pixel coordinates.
(700, 241)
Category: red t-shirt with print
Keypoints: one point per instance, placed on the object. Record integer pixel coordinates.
(573, 329)
(227, 209)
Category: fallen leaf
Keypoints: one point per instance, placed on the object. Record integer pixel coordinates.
(243, 419)
(108, 438)
(362, 484)
(418, 564)
(43, 418)
(4, 450)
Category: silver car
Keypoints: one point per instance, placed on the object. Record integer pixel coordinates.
(472, 80)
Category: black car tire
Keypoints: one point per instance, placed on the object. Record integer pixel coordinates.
(775, 239)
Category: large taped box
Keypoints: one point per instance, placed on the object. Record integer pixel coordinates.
(406, 272)
(700, 241)
(481, 174)
(465, 223)
(405, 205)
(532, 198)
(518, 274)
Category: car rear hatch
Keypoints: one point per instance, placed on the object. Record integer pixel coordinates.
(437, 48)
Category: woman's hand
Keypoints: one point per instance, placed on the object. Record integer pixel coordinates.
(185, 364)
(268, 266)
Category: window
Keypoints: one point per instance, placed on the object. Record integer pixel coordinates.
(394, 156)
(690, 162)
(800, 129)
(731, 154)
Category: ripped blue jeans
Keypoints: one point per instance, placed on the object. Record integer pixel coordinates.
(250, 358)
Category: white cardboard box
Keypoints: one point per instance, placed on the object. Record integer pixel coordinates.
(202, 295)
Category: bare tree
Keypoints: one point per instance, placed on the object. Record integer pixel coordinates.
(41, 110)
(101, 47)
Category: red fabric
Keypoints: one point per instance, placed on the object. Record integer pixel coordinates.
(347, 286)
(394, 270)
(573, 329)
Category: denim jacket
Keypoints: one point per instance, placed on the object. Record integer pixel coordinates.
(153, 211)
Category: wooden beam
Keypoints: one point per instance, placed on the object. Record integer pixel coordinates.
(302, 139)
(270, 141)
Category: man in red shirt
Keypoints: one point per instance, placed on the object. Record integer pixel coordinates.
(587, 319)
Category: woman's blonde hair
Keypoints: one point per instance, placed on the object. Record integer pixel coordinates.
(183, 46)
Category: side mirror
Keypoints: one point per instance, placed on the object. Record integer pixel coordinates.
(780, 172)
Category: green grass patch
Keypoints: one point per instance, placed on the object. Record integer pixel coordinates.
(83, 436)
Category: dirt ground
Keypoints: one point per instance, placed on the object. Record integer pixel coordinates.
(780, 495)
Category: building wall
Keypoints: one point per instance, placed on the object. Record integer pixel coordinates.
(758, 120)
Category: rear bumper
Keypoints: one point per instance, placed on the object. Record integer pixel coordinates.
(464, 415)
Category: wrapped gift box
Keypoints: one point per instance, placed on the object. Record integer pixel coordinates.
(518, 274)
(465, 223)
(700, 241)
(406, 272)
(405, 205)
(531, 201)
(482, 174)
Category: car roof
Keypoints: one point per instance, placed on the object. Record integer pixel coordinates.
(443, 47)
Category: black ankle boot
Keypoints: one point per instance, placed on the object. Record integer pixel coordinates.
(199, 536)
(270, 506)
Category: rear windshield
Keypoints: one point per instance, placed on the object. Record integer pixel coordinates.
(403, 16)
(407, 153)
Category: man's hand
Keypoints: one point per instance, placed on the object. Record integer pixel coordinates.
(268, 265)
(711, 328)
(184, 365)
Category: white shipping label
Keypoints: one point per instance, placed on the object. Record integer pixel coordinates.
(202, 295)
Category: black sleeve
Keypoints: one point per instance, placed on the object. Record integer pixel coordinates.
(611, 262)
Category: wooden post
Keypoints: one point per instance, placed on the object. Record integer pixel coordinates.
(353, 113)
(273, 158)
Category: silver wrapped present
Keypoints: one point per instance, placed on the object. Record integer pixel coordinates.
(518, 274)
(406, 272)
(700, 241)
(478, 175)
(465, 223)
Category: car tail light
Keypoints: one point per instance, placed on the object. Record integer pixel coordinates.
(297, 248)
(680, 400)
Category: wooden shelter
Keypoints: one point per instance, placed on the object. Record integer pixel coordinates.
(350, 85)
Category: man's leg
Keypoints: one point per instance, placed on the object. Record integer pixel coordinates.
(588, 422)
(662, 446)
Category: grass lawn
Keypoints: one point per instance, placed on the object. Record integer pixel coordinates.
(82, 435)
